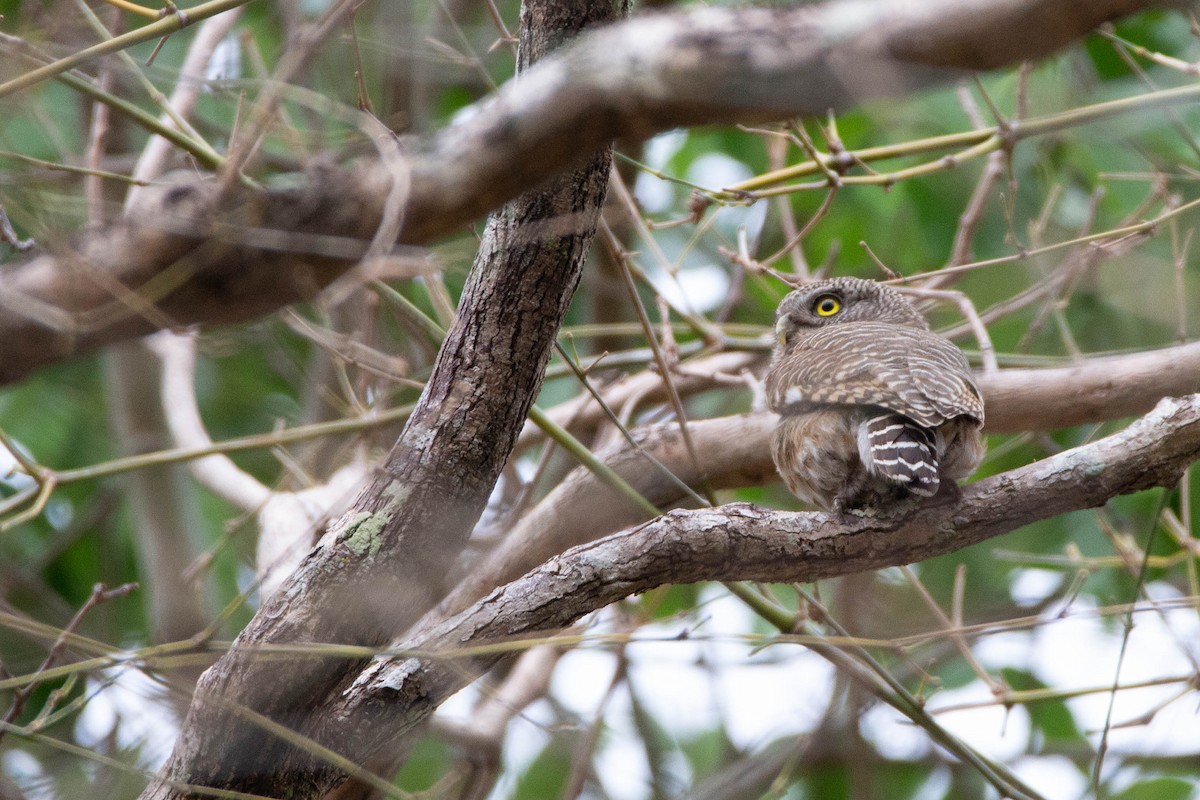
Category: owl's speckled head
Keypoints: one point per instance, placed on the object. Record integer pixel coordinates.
(841, 300)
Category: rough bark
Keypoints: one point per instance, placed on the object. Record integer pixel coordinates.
(177, 260)
(373, 571)
(744, 542)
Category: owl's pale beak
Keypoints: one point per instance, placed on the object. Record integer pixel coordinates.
(781, 326)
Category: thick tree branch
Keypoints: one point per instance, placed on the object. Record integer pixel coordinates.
(1095, 390)
(182, 258)
(724, 65)
(735, 451)
(731, 452)
(745, 542)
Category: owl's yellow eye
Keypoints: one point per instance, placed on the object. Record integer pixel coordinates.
(827, 305)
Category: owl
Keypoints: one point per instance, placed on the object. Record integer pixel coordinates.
(875, 410)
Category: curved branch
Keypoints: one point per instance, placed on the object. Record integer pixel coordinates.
(713, 65)
(218, 472)
(735, 451)
(744, 542)
(732, 452)
(286, 519)
(225, 261)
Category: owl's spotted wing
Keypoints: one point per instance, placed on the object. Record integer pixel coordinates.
(910, 371)
(943, 376)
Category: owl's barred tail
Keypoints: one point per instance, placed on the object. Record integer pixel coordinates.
(903, 452)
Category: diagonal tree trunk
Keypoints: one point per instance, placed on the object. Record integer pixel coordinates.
(373, 572)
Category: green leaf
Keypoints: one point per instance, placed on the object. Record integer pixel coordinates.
(1159, 789)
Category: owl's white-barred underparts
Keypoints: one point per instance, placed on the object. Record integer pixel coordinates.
(874, 408)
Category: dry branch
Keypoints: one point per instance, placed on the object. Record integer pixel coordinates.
(178, 260)
(745, 542)
(1095, 390)
(735, 452)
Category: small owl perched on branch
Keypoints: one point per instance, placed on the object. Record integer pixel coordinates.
(875, 409)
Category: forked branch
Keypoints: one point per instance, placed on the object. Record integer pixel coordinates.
(744, 542)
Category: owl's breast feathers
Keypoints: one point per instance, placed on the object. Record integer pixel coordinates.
(914, 372)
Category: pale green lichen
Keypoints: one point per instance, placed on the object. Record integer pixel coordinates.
(362, 532)
(396, 493)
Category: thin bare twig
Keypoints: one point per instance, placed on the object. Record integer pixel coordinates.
(620, 258)
(100, 594)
